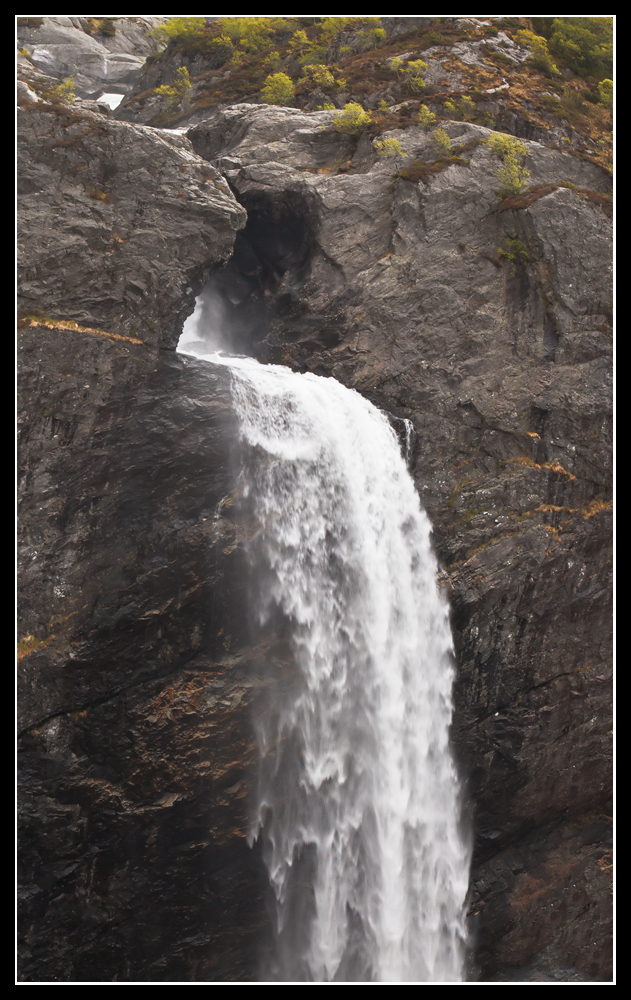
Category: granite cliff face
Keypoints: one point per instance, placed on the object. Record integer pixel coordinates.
(486, 324)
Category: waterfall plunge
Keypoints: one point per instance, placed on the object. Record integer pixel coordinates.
(358, 798)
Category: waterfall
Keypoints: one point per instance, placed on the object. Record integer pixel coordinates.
(358, 797)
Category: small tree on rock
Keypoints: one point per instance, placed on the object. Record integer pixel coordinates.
(426, 118)
(64, 93)
(390, 148)
(179, 92)
(605, 93)
(352, 119)
(278, 90)
(512, 175)
(442, 141)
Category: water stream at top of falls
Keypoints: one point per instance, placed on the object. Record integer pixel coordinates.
(358, 798)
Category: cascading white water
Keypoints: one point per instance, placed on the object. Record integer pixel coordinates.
(358, 798)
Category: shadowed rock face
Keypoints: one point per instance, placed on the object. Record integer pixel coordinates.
(140, 668)
(135, 750)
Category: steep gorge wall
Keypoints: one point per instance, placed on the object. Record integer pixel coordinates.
(138, 749)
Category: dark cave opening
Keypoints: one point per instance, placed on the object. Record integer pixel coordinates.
(253, 303)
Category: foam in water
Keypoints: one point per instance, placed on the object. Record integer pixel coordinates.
(358, 798)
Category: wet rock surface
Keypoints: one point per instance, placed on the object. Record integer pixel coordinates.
(140, 668)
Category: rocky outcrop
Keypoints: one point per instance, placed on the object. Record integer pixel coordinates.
(119, 225)
(101, 54)
(484, 323)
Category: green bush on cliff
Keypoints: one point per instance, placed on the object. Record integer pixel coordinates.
(512, 175)
(251, 33)
(273, 62)
(178, 29)
(332, 26)
(278, 89)
(64, 93)
(605, 93)
(465, 111)
(426, 118)
(372, 36)
(442, 142)
(352, 119)
(388, 147)
(515, 253)
(179, 92)
(320, 75)
(540, 58)
(412, 73)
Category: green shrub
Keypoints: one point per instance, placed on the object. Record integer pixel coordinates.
(178, 29)
(388, 147)
(101, 26)
(431, 38)
(371, 38)
(442, 142)
(220, 49)
(540, 58)
(64, 93)
(352, 119)
(179, 92)
(426, 118)
(315, 55)
(278, 89)
(107, 27)
(332, 26)
(273, 61)
(299, 41)
(251, 33)
(467, 108)
(605, 93)
(512, 176)
(464, 112)
(499, 57)
(505, 145)
(320, 75)
(413, 74)
(515, 253)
